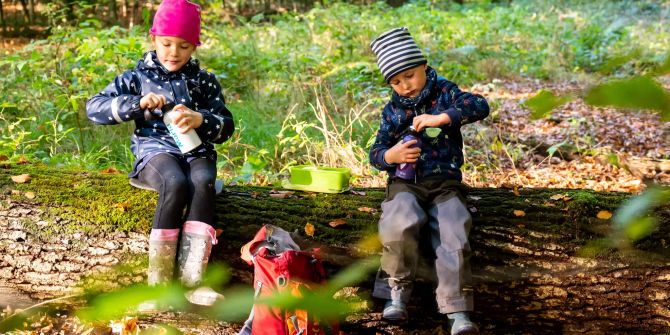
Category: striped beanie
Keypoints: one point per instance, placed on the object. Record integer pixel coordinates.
(396, 51)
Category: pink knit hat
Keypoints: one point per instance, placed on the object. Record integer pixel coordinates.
(178, 18)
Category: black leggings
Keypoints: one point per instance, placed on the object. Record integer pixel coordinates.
(186, 190)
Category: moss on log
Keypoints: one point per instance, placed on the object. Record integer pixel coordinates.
(544, 269)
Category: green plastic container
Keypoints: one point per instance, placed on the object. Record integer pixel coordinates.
(318, 179)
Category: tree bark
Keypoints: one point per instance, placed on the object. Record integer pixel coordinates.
(26, 13)
(2, 19)
(530, 272)
(113, 11)
(31, 9)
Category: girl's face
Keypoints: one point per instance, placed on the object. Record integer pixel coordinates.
(410, 82)
(173, 52)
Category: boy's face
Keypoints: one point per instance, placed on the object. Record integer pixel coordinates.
(410, 82)
(172, 52)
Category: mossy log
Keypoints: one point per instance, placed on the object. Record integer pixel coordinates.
(542, 268)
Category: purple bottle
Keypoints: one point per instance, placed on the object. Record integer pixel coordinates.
(408, 170)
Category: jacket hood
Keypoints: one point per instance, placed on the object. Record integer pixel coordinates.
(150, 62)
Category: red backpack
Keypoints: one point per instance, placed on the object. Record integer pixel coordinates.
(280, 266)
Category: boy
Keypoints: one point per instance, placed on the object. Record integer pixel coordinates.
(435, 195)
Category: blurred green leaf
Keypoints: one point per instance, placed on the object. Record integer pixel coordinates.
(616, 62)
(112, 305)
(319, 303)
(236, 305)
(640, 205)
(639, 92)
(640, 228)
(633, 217)
(353, 274)
(664, 68)
(217, 275)
(161, 329)
(543, 103)
(16, 320)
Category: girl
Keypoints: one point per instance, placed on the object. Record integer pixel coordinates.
(168, 76)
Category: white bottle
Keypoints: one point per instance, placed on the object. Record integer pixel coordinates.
(185, 141)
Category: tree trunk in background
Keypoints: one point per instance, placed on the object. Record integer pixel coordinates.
(26, 13)
(31, 10)
(113, 11)
(125, 8)
(527, 269)
(69, 7)
(2, 19)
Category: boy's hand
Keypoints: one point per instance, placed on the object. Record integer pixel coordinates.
(402, 153)
(152, 101)
(427, 120)
(187, 119)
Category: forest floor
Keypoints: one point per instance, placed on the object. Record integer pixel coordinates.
(593, 138)
(595, 148)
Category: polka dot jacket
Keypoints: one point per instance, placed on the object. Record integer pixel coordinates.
(195, 88)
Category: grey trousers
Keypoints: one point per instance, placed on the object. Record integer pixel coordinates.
(407, 208)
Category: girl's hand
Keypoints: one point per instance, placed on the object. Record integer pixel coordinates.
(152, 101)
(187, 119)
(427, 120)
(402, 153)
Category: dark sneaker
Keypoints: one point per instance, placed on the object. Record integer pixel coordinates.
(395, 311)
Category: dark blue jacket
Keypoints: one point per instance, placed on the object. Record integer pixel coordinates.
(195, 88)
(441, 156)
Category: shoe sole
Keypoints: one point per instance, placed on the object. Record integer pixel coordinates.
(470, 331)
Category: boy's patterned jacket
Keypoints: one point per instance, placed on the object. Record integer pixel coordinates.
(195, 88)
(441, 156)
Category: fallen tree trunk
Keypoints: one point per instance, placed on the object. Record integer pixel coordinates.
(537, 263)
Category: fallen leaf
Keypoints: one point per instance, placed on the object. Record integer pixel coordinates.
(604, 215)
(22, 160)
(370, 243)
(280, 194)
(563, 197)
(548, 204)
(3, 158)
(125, 326)
(130, 326)
(109, 170)
(519, 213)
(46, 329)
(516, 192)
(123, 206)
(521, 225)
(309, 229)
(22, 178)
(367, 210)
(354, 192)
(475, 198)
(16, 192)
(336, 223)
(29, 195)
